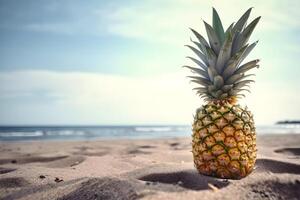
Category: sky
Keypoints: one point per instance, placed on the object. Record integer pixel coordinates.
(119, 62)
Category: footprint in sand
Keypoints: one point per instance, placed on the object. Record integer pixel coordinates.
(28, 190)
(178, 146)
(274, 190)
(277, 166)
(53, 162)
(146, 147)
(88, 151)
(13, 182)
(178, 181)
(6, 170)
(107, 188)
(70, 161)
(289, 151)
(31, 159)
(137, 151)
(103, 188)
(174, 144)
(83, 148)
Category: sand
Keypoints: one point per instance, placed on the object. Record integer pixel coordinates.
(141, 169)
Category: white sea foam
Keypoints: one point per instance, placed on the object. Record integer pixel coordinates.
(153, 129)
(65, 133)
(22, 134)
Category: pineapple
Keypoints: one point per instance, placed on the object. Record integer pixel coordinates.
(224, 138)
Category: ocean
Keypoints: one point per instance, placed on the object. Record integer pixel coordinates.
(23, 133)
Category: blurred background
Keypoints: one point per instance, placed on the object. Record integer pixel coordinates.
(118, 63)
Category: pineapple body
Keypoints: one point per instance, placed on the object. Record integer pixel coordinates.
(224, 141)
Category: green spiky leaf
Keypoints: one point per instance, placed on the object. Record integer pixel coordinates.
(201, 89)
(226, 88)
(200, 38)
(238, 27)
(241, 90)
(198, 71)
(212, 73)
(199, 54)
(228, 29)
(218, 82)
(200, 80)
(200, 46)
(247, 66)
(242, 84)
(214, 41)
(199, 63)
(225, 53)
(244, 36)
(211, 88)
(246, 52)
(218, 27)
(211, 56)
(244, 76)
(217, 94)
(233, 79)
(233, 63)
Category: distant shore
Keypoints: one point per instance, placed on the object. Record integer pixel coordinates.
(289, 122)
(140, 169)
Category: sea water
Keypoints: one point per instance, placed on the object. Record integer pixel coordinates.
(21, 133)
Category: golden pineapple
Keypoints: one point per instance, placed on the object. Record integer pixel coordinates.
(224, 138)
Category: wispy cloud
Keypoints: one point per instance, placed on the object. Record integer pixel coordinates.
(96, 98)
(150, 19)
(167, 22)
(104, 98)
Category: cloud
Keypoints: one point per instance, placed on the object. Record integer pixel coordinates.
(45, 97)
(154, 20)
(168, 21)
(96, 98)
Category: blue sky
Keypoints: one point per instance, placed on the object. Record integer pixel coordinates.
(118, 62)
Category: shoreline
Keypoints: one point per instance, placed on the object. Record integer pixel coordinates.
(133, 138)
(141, 168)
(79, 133)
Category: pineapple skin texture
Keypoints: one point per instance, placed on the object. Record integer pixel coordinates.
(224, 141)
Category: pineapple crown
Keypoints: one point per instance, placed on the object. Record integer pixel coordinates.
(219, 71)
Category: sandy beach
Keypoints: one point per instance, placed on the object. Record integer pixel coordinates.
(141, 169)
